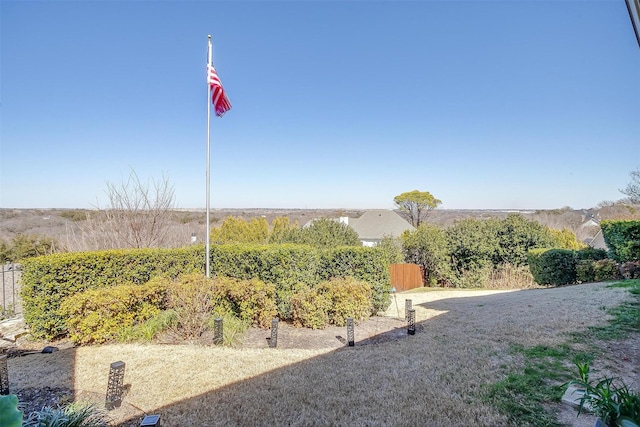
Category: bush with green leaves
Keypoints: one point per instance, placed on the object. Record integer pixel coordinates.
(623, 239)
(48, 280)
(99, 315)
(348, 298)
(363, 264)
(23, 246)
(553, 266)
(329, 233)
(566, 239)
(428, 247)
(590, 253)
(331, 302)
(239, 230)
(310, 309)
(516, 236)
(250, 300)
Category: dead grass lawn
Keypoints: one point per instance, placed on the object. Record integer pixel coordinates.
(432, 378)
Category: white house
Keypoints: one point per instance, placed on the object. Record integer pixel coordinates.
(373, 225)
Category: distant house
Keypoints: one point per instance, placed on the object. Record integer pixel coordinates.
(597, 241)
(373, 225)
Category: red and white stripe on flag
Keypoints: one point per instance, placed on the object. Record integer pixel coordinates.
(219, 98)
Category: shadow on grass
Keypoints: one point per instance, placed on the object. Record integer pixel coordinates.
(435, 377)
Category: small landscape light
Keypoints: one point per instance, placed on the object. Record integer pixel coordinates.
(350, 332)
(273, 342)
(408, 305)
(115, 385)
(4, 375)
(150, 420)
(411, 327)
(218, 331)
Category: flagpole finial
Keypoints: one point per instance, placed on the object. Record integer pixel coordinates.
(209, 36)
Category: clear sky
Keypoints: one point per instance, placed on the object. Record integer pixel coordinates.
(336, 104)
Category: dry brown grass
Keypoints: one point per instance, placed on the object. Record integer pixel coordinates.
(432, 378)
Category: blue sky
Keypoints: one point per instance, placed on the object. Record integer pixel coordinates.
(486, 104)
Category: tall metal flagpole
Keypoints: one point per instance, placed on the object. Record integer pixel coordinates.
(207, 238)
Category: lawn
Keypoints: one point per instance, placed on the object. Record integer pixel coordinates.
(466, 343)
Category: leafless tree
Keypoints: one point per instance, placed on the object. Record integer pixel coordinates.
(138, 215)
(633, 188)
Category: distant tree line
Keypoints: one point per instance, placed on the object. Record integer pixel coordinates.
(26, 246)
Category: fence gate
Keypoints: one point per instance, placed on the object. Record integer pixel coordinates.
(405, 276)
(10, 293)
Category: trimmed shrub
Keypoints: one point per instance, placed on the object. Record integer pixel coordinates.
(589, 253)
(363, 264)
(276, 270)
(584, 271)
(47, 281)
(349, 298)
(250, 300)
(623, 239)
(100, 315)
(552, 266)
(605, 270)
(310, 309)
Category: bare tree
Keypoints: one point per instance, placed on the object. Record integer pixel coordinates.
(633, 188)
(138, 215)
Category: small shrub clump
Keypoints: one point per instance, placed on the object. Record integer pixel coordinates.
(332, 302)
(250, 300)
(310, 309)
(553, 266)
(99, 315)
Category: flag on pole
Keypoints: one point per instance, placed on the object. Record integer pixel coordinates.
(219, 98)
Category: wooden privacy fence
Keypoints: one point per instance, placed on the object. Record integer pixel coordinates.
(405, 276)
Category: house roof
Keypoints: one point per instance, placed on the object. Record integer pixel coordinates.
(375, 224)
(598, 241)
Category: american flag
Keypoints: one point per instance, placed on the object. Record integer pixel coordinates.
(218, 96)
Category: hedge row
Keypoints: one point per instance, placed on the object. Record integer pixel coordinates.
(623, 239)
(49, 280)
(564, 266)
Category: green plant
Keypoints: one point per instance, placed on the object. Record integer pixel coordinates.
(250, 300)
(623, 239)
(552, 266)
(348, 298)
(615, 404)
(150, 328)
(10, 415)
(48, 280)
(100, 315)
(72, 415)
(310, 309)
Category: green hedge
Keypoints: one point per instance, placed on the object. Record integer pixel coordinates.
(552, 266)
(49, 280)
(623, 239)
